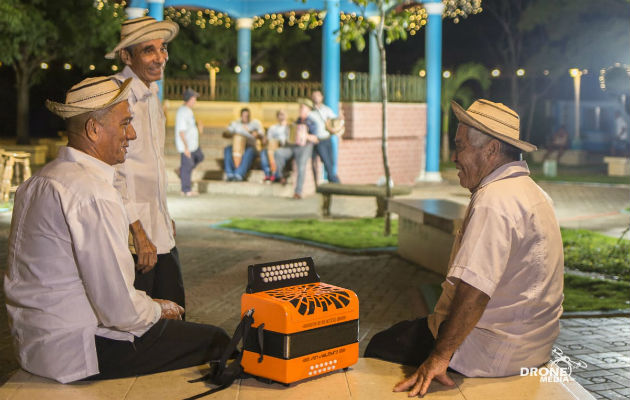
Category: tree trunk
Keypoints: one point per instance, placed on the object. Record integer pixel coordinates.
(530, 116)
(22, 81)
(514, 91)
(381, 47)
(445, 124)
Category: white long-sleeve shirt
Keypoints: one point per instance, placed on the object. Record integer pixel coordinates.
(70, 274)
(240, 128)
(141, 179)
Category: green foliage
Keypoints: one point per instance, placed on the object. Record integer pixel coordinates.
(348, 233)
(587, 294)
(593, 252)
(195, 46)
(34, 31)
(395, 24)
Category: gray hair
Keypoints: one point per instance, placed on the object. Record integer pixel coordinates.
(478, 139)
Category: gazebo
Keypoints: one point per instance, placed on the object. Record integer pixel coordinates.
(245, 10)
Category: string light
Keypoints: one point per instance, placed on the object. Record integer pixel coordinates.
(114, 67)
(520, 72)
(417, 15)
(305, 74)
(67, 66)
(92, 67)
(446, 74)
(422, 73)
(351, 76)
(260, 69)
(43, 65)
(237, 69)
(282, 74)
(495, 73)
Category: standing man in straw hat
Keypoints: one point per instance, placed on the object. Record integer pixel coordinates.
(502, 297)
(73, 310)
(142, 179)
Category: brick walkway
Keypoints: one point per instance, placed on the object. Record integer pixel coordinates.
(388, 287)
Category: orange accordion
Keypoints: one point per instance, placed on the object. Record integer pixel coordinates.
(302, 327)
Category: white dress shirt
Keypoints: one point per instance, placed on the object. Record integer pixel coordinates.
(320, 115)
(141, 179)
(510, 248)
(185, 122)
(70, 274)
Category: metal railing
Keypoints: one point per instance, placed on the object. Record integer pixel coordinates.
(354, 87)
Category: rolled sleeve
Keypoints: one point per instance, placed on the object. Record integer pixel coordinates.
(484, 252)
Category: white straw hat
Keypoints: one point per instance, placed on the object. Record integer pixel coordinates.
(143, 29)
(494, 119)
(91, 94)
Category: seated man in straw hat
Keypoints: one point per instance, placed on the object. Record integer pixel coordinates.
(502, 297)
(72, 307)
(142, 179)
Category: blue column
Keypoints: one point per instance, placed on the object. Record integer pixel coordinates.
(434, 77)
(244, 57)
(156, 10)
(331, 70)
(136, 9)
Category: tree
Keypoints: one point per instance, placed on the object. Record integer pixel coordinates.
(392, 23)
(31, 35)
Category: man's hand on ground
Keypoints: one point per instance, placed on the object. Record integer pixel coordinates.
(433, 368)
(170, 310)
(145, 250)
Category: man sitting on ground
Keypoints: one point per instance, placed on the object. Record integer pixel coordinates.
(72, 307)
(502, 297)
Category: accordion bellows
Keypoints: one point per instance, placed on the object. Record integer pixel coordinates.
(302, 327)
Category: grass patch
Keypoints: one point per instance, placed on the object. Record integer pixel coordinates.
(347, 233)
(586, 294)
(583, 250)
(593, 252)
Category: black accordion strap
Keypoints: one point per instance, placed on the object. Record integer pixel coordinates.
(222, 374)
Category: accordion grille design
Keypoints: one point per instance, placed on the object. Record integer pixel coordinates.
(307, 298)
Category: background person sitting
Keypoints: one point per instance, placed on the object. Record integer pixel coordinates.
(301, 149)
(559, 142)
(277, 136)
(72, 307)
(239, 156)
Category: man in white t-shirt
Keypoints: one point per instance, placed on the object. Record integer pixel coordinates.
(187, 140)
(502, 298)
(620, 142)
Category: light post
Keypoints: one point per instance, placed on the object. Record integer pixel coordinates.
(212, 68)
(576, 74)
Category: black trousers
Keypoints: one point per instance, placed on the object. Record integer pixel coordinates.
(164, 281)
(168, 345)
(407, 343)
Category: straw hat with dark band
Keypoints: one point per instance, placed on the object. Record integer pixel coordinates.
(493, 119)
(89, 95)
(307, 102)
(138, 30)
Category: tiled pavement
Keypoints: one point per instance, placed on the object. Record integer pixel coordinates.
(215, 271)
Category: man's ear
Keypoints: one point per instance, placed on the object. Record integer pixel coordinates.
(92, 129)
(493, 148)
(125, 57)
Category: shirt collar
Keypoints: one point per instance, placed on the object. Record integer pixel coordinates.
(505, 171)
(138, 88)
(95, 165)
